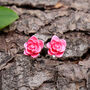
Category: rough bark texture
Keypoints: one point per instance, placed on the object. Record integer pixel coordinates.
(68, 19)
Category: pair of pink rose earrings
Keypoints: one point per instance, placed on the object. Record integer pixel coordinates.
(56, 46)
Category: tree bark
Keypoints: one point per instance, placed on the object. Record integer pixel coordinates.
(68, 19)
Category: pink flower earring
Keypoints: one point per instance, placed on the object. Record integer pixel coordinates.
(56, 46)
(33, 47)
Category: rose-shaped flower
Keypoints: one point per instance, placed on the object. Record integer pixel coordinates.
(33, 47)
(56, 46)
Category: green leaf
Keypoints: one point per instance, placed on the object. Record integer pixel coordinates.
(7, 16)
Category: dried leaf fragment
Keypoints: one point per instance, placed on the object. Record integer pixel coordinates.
(58, 5)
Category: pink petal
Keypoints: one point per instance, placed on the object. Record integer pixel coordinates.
(55, 38)
(28, 51)
(63, 46)
(38, 49)
(25, 53)
(48, 45)
(33, 38)
(41, 43)
(35, 55)
(25, 45)
(30, 41)
(60, 54)
(53, 51)
(49, 52)
(63, 42)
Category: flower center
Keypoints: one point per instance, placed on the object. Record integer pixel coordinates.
(56, 45)
(32, 46)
